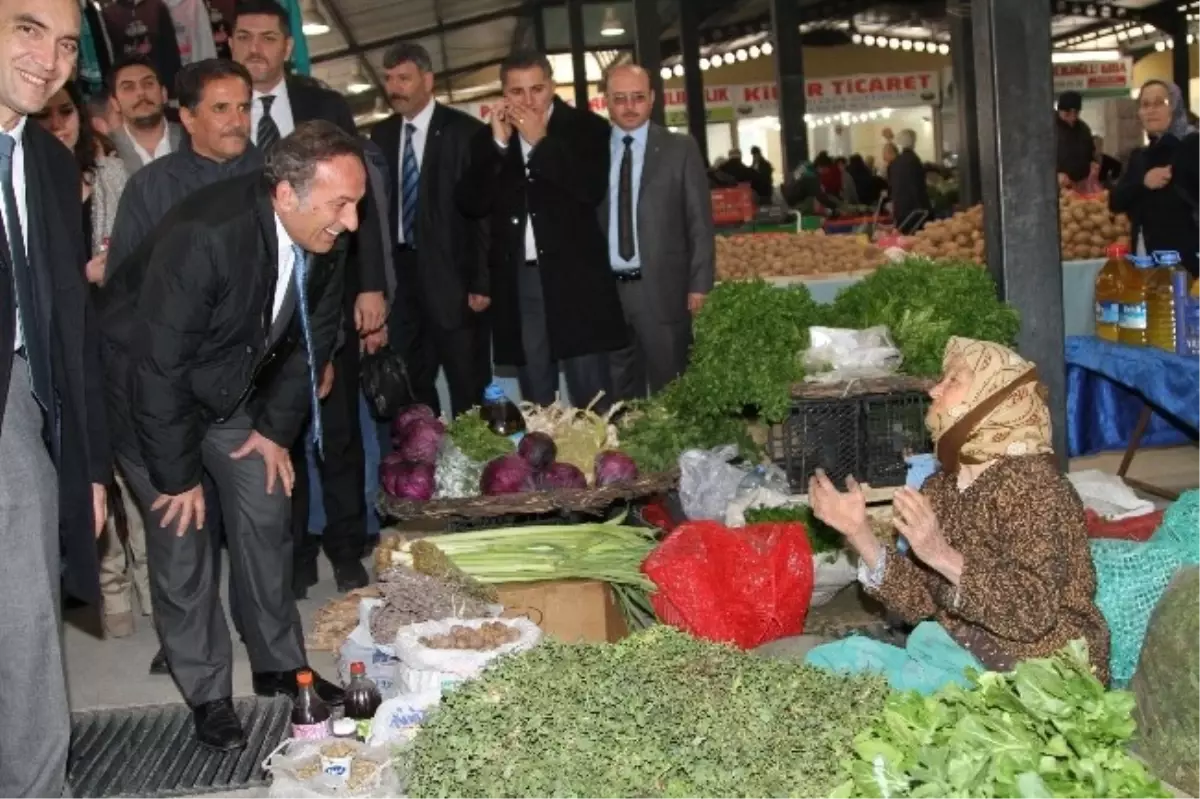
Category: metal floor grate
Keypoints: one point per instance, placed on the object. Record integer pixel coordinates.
(152, 751)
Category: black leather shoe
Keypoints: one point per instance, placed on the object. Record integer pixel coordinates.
(217, 726)
(350, 575)
(283, 683)
(158, 666)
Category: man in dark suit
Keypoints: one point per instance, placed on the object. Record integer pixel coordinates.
(137, 92)
(441, 256)
(54, 454)
(539, 174)
(262, 43)
(658, 216)
(215, 331)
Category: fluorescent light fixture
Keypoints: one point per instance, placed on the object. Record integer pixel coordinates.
(611, 26)
(1080, 56)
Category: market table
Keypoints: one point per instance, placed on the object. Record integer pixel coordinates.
(1121, 397)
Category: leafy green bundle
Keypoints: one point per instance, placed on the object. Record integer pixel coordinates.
(1047, 729)
(821, 537)
(923, 304)
(471, 434)
(658, 714)
(654, 436)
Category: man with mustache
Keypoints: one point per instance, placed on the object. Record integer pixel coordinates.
(215, 333)
(262, 43)
(137, 92)
(441, 255)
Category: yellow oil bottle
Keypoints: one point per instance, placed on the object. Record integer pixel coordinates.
(1109, 283)
(1160, 301)
(1133, 302)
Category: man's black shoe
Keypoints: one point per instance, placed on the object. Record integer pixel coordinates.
(350, 575)
(158, 666)
(283, 683)
(217, 726)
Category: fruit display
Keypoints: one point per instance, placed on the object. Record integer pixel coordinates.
(749, 256)
(1086, 228)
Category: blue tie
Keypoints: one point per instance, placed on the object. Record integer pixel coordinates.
(300, 274)
(410, 179)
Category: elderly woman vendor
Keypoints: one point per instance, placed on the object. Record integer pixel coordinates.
(998, 548)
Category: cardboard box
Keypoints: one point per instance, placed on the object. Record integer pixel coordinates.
(569, 610)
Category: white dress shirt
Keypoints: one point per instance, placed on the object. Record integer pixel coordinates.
(287, 258)
(420, 135)
(18, 174)
(531, 251)
(162, 148)
(281, 111)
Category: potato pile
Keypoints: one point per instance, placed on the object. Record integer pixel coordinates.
(491, 635)
(752, 255)
(958, 238)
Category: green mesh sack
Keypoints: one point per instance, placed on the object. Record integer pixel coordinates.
(1167, 686)
(1131, 577)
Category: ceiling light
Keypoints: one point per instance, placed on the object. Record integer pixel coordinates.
(1170, 44)
(314, 21)
(754, 51)
(869, 40)
(881, 41)
(730, 58)
(1079, 56)
(944, 49)
(767, 48)
(704, 63)
(1191, 38)
(1160, 45)
(906, 45)
(894, 44)
(611, 26)
(665, 72)
(857, 38)
(678, 70)
(358, 85)
(808, 118)
(742, 55)
(919, 46)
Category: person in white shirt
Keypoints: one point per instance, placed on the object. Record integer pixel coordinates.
(137, 92)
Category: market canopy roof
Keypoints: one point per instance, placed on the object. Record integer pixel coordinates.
(468, 38)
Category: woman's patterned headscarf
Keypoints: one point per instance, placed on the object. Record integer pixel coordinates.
(1179, 126)
(1004, 413)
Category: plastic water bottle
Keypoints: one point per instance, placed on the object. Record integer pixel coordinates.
(501, 414)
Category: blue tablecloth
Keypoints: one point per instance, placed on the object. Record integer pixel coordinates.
(1107, 384)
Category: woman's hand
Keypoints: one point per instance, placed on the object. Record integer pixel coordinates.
(1157, 178)
(95, 269)
(845, 512)
(913, 516)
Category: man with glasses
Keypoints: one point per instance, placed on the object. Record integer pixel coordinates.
(657, 216)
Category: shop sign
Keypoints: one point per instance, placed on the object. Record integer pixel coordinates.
(1095, 78)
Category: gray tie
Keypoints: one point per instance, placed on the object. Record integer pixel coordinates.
(268, 131)
(22, 277)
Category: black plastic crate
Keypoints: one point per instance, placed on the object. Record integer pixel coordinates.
(818, 434)
(893, 428)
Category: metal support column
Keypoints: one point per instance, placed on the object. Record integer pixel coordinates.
(693, 81)
(647, 31)
(789, 69)
(1180, 69)
(539, 28)
(578, 51)
(1020, 191)
(962, 54)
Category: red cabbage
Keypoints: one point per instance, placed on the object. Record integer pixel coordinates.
(407, 480)
(538, 449)
(421, 440)
(409, 414)
(508, 474)
(614, 467)
(561, 475)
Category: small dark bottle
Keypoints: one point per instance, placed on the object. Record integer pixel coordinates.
(362, 700)
(310, 715)
(503, 417)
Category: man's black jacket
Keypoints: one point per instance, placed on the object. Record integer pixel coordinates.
(189, 335)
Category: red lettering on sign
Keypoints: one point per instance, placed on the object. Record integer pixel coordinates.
(815, 89)
(895, 84)
(718, 94)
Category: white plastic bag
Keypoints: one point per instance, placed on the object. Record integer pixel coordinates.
(463, 663)
(708, 482)
(296, 772)
(380, 661)
(837, 355)
(398, 719)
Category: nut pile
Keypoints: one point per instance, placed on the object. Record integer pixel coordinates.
(491, 635)
(755, 255)
(363, 771)
(410, 597)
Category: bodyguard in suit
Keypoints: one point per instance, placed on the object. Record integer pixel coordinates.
(539, 174)
(54, 454)
(214, 335)
(441, 255)
(658, 217)
(262, 43)
(136, 90)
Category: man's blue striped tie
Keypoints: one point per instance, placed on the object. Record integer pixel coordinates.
(300, 275)
(410, 179)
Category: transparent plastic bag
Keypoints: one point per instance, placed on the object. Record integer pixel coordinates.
(708, 482)
(295, 769)
(836, 355)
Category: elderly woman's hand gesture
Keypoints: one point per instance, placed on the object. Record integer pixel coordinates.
(845, 512)
(913, 516)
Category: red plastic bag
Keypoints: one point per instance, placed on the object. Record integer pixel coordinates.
(746, 586)
(1136, 528)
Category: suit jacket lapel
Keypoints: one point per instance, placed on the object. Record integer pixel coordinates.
(301, 102)
(40, 204)
(266, 223)
(651, 163)
(126, 150)
(429, 158)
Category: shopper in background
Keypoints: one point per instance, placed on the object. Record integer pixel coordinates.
(906, 185)
(440, 254)
(1107, 169)
(1076, 150)
(864, 182)
(658, 216)
(1158, 190)
(138, 93)
(762, 166)
(849, 187)
(741, 172)
(828, 173)
(539, 174)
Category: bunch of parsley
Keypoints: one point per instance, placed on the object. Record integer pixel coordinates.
(1047, 729)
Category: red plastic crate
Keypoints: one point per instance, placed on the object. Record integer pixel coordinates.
(734, 205)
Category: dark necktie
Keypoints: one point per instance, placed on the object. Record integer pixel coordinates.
(300, 275)
(22, 277)
(268, 131)
(410, 181)
(625, 245)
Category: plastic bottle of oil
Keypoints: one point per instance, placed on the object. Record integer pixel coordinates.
(1133, 301)
(1191, 318)
(1160, 301)
(1109, 283)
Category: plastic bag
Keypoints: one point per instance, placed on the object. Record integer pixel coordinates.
(380, 660)
(746, 586)
(708, 482)
(449, 665)
(836, 355)
(296, 771)
(397, 720)
(385, 383)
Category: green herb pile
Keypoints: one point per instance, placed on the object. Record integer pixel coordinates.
(654, 436)
(471, 434)
(658, 714)
(821, 537)
(1047, 729)
(924, 303)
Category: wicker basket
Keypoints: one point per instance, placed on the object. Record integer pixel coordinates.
(532, 503)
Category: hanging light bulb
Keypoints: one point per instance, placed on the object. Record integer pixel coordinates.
(611, 26)
(742, 55)
(906, 45)
(755, 52)
(358, 84)
(857, 38)
(869, 40)
(944, 49)
(1170, 44)
(808, 118)
(767, 48)
(704, 63)
(665, 72)
(1160, 45)
(1191, 38)
(678, 70)
(881, 41)
(894, 43)
(919, 46)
